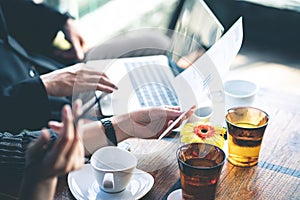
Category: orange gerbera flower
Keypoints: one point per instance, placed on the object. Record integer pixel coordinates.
(203, 132)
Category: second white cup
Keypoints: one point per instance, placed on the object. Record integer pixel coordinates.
(113, 168)
(201, 114)
(239, 93)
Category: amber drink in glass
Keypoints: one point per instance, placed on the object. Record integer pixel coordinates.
(246, 127)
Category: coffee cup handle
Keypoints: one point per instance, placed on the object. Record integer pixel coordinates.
(108, 181)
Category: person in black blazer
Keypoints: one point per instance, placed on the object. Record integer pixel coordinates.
(26, 52)
(19, 71)
(27, 30)
(35, 26)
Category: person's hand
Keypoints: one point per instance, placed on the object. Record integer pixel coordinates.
(45, 162)
(146, 123)
(75, 79)
(77, 42)
(65, 155)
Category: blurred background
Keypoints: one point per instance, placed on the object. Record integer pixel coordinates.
(268, 22)
(270, 51)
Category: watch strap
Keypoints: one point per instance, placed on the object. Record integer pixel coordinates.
(109, 131)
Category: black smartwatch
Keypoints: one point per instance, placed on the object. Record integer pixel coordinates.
(109, 131)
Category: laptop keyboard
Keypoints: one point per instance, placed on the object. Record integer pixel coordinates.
(151, 84)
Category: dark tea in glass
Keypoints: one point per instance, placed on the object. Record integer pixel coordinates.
(200, 166)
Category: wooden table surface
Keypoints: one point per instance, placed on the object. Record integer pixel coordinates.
(277, 175)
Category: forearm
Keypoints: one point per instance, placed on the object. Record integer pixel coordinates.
(94, 134)
(36, 189)
(145, 123)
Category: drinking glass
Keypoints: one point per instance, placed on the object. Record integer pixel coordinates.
(246, 127)
(200, 166)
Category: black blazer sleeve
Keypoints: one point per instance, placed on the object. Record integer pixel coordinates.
(24, 106)
(33, 25)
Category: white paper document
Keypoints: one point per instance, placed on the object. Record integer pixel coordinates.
(205, 76)
(223, 52)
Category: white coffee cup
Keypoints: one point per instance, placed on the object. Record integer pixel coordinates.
(239, 93)
(201, 114)
(113, 168)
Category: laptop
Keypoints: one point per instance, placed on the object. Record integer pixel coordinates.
(156, 80)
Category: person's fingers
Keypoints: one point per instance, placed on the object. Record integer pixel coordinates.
(79, 152)
(64, 142)
(69, 131)
(172, 107)
(88, 79)
(187, 114)
(78, 50)
(77, 111)
(190, 111)
(56, 126)
(76, 41)
(75, 156)
(34, 148)
(68, 152)
(170, 122)
(178, 124)
(77, 108)
(105, 81)
(172, 114)
(97, 77)
(40, 143)
(84, 45)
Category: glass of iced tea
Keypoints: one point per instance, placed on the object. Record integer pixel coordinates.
(246, 127)
(200, 166)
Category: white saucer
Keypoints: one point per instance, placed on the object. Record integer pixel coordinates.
(175, 195)
(83, 185)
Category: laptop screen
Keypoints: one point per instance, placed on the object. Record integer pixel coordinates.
(196, 30)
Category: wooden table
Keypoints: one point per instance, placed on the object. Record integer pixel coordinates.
(277, 175)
